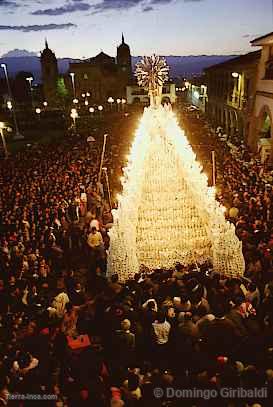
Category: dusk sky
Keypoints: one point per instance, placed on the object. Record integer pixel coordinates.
(82, 28)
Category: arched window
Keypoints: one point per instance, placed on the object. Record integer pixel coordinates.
(266, 126)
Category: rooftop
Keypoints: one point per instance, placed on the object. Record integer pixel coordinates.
(240, 61)
(263, 40)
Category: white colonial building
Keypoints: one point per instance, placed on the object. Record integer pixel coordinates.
(261, 128)
(138, 95)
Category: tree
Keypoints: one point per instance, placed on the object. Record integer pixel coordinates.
(62, 92)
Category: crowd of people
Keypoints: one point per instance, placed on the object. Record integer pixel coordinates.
(73, 337)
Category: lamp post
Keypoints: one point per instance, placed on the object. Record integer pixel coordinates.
(101, 161)
(123, 103)
(72, 74)
(38, 112)
(75, 101)
(74, 115)
(45, 104)
(111, 101)
(2, 126)
(29, 80)
(91, 110)
(108, 187)
(118, 102)
(100, 109)
(17, 134)
(9, 105)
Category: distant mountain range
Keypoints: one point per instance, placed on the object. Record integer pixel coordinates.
(22, 60)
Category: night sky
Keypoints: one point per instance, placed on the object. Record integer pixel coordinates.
(82, 28)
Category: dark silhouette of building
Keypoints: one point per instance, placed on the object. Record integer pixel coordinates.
(50, 75)
(102, 76)
(124, 60)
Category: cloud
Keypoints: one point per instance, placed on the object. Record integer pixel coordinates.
(8, 3)
(161, 2)
(76, 5)
(15, 53)
(146, 9)
(107, 5)
(43, 27)
(104, 5)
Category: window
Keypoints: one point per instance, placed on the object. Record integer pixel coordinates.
(269, 70)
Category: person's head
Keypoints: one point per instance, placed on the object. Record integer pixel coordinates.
(252, 287)
(161, 316)
(219, 311)
(133, 381)
(201, 311)
(23, 359)
(114, 278)
(238, 300)
(93, 229)
(151, 305)
(78, 287)
(125, 325)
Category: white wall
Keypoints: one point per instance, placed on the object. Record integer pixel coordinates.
(133, 92)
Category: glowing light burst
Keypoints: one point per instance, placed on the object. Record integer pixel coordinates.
(152, 72)
(167, 213)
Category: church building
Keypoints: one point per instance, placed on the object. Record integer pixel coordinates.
(102, 76)
(50, 75)
(99, 77)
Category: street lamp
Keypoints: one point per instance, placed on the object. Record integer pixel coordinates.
(45, 104)
(29, 80)
(91, 110)
(108, 186)
(2, 127)
(111, 101)
(72, 74)
(123, 102)
(74, 115)
(100, 109)
(101, 161)
(17, 134)
(38, 111)
(87, 94)
(9, 105)
(83, 95)
(118, 102)
(86, 102)
(75, 101)
(235, 74)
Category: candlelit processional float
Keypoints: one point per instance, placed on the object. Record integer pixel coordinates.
(167, 214)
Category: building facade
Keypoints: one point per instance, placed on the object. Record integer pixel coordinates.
(50, 75)
(99, 77)
(102, 76)
(196, 91)
(231, 92)
(261, 128)
(138, 95)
